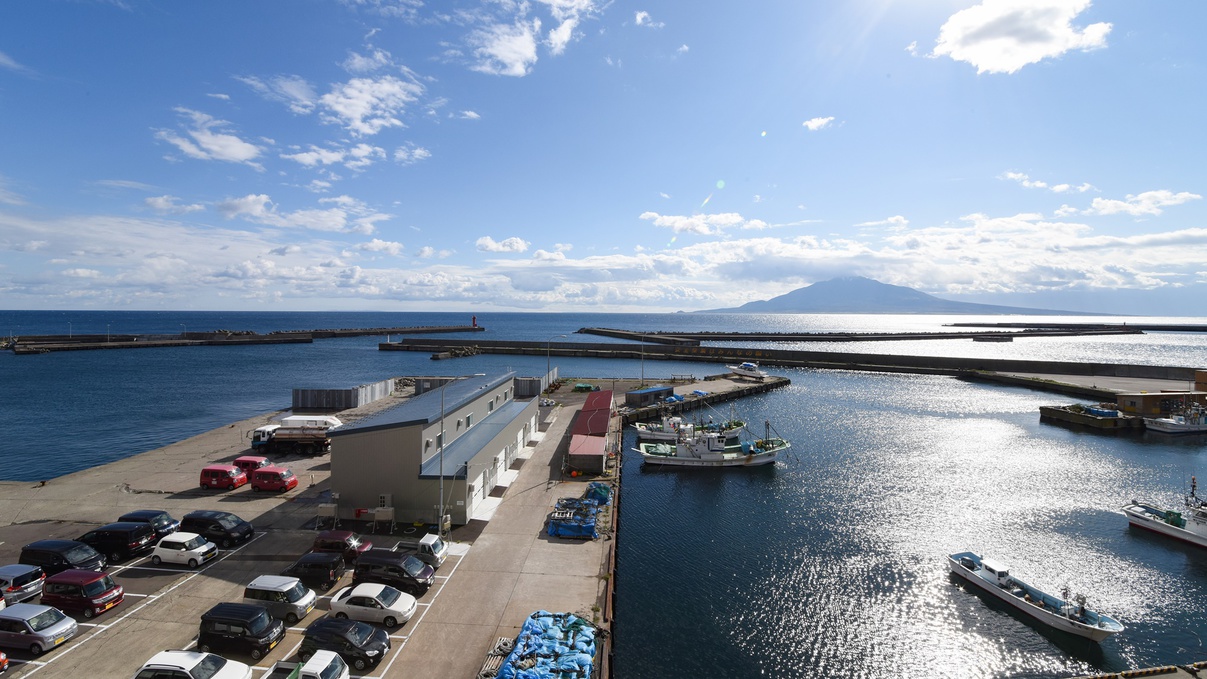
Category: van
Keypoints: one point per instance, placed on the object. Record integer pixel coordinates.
(35, 627)
(239, 628)
(89, 592)
(318, 569)
(360, 644)
(55, 556)
(343, 542)
(161, 522)
(226, 476)
(120, 541)
(285, 598)
(19, 582)
(273, 478)
(400, 570)
(221, 528)
(250, 463)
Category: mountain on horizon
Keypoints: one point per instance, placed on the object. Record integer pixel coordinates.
(859, 295)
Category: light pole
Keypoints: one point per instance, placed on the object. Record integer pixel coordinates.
(440, 450)
(186, 330)
(68, 329)
(107, 333)
(548, 344)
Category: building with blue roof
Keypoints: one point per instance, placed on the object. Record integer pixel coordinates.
(458, 434)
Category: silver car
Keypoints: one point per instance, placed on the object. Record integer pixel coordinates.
(20, 582)
(36, 627)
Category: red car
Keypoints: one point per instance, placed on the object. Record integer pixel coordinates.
(250, 463)
(273, 478)
(344, 542)
(89, 592)
(226, 476)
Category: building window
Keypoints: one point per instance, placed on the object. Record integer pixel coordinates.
(469, 420)
(440, 440)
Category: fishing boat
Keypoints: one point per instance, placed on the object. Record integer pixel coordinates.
(1059, 612)
(1191, 420)
(672, 428)
(1188, 526)
(713, 449)
(747, 369)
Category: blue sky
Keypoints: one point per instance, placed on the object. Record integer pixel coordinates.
(585, 155)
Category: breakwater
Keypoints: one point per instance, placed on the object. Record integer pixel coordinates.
(694, 338)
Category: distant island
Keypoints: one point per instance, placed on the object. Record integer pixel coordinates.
(859, 295)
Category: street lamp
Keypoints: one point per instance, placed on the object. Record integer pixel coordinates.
(440, 450)
(548, 344)
(186, 330)
(107, 333)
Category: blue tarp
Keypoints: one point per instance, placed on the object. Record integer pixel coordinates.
(551, 646)
(573, 518)
(599, 493)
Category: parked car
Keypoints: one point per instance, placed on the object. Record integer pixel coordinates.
(397, 569)
(285, 598)
(54, 556)
(161, 522)
(239, 628)
(225, 476)
(20, 582)
(221, 528)
(343, 542)
(192, 665)
(372, 602)
(318, 569)
(35, 627)
(3, 662)
(182, 547)
(273, 478)
(122, 540)
(360, 644)
(89, 592)
(250, 463)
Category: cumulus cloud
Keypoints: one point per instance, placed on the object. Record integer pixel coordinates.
(357, 63)
(349, 215)
(1003, 36)
(205, 139)
(291, 90)
(815, 124)
(703, 225)
(896, 221)
(357, 157)
(1030, 183)
(505, 49)
(1147, 203)
(411, 154)
(377, 245)
(168, 205)
(513, 244)
(469, 115)
(366, 106)
(643, 19)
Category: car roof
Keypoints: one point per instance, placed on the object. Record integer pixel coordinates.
(139, 514)
(326, 624)
(185, 659)
(207, 514)
(277, 582)
(180, 536)
(335, 535)
(370, 589)
(321, 557)
(15, 569)
(250, 457)
(272, 468)
(75, 576)
(123, 525)
(54, 545)
(225, 467)
(228, 609)
(23, 611)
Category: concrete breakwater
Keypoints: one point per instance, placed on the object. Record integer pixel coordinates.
(694, 338)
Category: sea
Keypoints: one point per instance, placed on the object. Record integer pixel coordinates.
(831, 563)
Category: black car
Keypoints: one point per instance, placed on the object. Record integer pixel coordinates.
(239, 628)
(360, 644)
(401, 570)
(56, 556)
(318, 569)
(221, 528)
(122, 540)
(161, 522)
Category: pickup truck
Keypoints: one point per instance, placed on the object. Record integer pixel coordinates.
(322, 665)
(429, 548)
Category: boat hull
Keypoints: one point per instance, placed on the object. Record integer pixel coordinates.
(725, 461)
(1166, 425)
(1038, 613)
(1143, 515)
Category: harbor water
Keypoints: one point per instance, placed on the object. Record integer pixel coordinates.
(830, 563)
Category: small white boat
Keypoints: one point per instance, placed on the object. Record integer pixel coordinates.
(713, 449)
(1189, 526)
(747, 369)
(1058, 612)
(1192, 420)
(672, 428)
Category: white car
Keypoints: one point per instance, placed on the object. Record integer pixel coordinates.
(189, 549)
(372, 602)
(192, 665)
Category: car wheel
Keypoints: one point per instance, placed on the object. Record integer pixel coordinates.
(192, 563)
(304, 656)
(329, 584)
(284, 488)
(389, 622)
(155, 560)
(35, 649)
(256, 654)
(230, 487)
(360, 664)
(88, 612)
(114, 557)
(226, 543)
(342, 615)
(253, 487)
(204, 486)
(291, 619)
(204, 648)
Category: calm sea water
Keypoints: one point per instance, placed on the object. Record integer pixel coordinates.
(830, 564)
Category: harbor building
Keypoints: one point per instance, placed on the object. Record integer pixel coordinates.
(445, 447)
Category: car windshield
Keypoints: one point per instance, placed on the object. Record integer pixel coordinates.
(45, 619)
(161, 521)
(99, 587)
(388, 596)
(228, 522)
(413, 566)
(287, 474)
(437, 545)
(80, 553)
(195, 542)
(260, 624)
(361, 633)
(208, 667)
(294, 595)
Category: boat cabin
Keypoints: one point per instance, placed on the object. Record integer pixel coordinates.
(996, 571)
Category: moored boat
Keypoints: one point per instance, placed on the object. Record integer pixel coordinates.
(1058, 612)
(713, 449)
(747, 369)
(1192, 420)
(672, 428)
(1189, 526)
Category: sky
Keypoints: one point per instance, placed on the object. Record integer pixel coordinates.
(600, 156)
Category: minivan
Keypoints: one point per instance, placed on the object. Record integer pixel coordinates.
(120, 541)
(273, 478)
(401, 570)
(20, 582)
(360, 644)
(343, 542)
(89, 592)
(318, 569)
(250, 463)
(55, 556)
(226, 476)
(221, 528)
(285, 598)
(35, 627)
(161, 522)
(241, 628)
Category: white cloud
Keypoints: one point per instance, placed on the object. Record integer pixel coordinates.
(11, 64)
(411, 154)
(559, 37)
(1147, 203)
(563, 247)
(1030, 183)
(642, 18)
(1003, 36)
(503, 49)
(396, 9)
(896, 222)
(292, 90)
(704, 225)
(513, 244)
(377, 245)
(469, 115)
(316, 156)
(815, 124)
(350, 216)
(168, 205)
(81, 273)
(683, 49)
(219, 95)
(206, 140)
(367, 63)
(366, 106)
(124, 184)
(8, 197)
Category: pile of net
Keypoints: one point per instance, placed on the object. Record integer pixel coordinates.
(551, 646)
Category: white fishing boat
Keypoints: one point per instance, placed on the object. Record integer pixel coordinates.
(1188, 526)
(713, 449)
(747, 369)
(1191, 420)
(673, 427)
(1060, 612)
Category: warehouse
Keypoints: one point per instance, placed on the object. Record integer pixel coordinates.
(445, 447)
